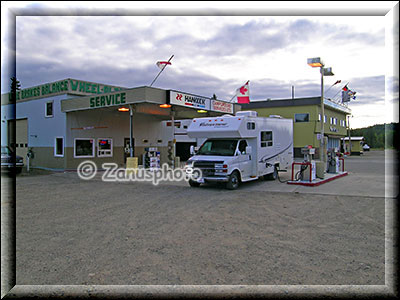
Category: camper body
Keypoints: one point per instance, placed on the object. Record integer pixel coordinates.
(240, 148)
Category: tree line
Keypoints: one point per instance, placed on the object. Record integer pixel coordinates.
(377, 135)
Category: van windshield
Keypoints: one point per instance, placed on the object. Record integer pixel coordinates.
(218, 147)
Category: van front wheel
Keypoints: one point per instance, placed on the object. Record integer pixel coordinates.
(193, 183)
(233, 182)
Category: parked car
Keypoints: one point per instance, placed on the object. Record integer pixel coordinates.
(366, 147)
(7, 163)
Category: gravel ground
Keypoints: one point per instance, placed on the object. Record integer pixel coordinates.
(71, 232)
(75, 232)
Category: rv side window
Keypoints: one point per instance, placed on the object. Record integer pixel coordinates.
(251, 125)
(266, 138)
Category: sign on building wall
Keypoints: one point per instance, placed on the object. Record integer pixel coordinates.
(187, 100)
(222, 106)
(199, 102)
(71, 86)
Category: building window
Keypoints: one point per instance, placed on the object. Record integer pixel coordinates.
(319, 117)
(251, 125)
(49, 109)
(104, 147)
(83, 148)
(59, 147)
(266, 138)
(301, 117)
(325, 118)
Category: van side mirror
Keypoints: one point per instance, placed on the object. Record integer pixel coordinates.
(193, 150)
(248, 149)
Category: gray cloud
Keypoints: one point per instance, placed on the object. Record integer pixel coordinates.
(45, 55)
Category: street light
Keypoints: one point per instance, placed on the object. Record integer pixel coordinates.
(316, 62)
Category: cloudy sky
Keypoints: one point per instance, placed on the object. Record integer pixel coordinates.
(215, 50)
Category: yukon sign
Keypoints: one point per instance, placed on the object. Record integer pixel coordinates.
(187, 100)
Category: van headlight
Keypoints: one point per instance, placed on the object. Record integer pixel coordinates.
(221, 168)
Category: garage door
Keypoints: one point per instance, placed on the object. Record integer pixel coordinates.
(21, 136)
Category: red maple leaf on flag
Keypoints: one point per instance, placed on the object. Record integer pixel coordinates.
(243, 90)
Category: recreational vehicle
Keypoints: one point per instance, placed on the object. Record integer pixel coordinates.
(240, 148)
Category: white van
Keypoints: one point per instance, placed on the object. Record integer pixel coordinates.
(240, 148)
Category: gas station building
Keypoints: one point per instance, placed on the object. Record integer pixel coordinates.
(306, 116)
(66, 122)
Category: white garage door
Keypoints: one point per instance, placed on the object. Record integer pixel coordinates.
(21, 137)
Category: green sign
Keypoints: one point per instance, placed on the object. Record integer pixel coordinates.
(91, 88)
(108, 100)
(65, 86)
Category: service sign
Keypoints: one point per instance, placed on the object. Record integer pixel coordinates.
(222, 106)
(188, 100)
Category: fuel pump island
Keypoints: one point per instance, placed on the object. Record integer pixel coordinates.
(312, 173)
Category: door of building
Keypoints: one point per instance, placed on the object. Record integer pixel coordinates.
(21, 136)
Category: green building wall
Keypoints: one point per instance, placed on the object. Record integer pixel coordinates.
(305, 133)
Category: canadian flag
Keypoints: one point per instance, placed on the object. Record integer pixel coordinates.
(243, 93)
(162, 64)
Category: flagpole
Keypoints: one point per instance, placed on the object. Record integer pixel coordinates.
(341, 89)
(232, 98)
(161, 71)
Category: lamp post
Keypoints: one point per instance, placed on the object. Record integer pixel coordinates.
(315, 63)
(348, 126)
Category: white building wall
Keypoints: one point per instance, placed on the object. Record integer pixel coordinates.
(41, 129)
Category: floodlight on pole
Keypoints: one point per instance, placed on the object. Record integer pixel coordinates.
(317, 62)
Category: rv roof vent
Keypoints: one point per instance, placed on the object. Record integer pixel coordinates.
(226, 115)
(275, 116)
(248, 113)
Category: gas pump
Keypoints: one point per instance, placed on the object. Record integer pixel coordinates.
(151, 158)
(29, 156)
(333, 161)
(308, 153)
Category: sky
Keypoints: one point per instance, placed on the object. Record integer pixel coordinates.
(216, 49)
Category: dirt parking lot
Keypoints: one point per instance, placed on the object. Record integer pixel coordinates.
(75, 232)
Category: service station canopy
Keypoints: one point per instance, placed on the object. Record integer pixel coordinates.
(147, 100)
